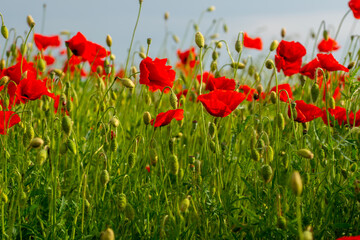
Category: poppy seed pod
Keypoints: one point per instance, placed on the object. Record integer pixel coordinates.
(173, 100)
(266, 173)
(305, 153)
(315, 91)
(296, 183)
(129, 212)
(148, 41)
(122, 202)
(127, 83)
(273, 46)
(147, 118)
(184, 205)
(108, 40)
(104, 177)
(30, 21)
(199, 40)
(174, 165)
(66, 125)
(108, 234)
(4, 31)
(269, 64)
(36, 142)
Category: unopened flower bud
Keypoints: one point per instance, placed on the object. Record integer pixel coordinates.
(148, 41)
(237, 65)
(281, 222)
(108, 234)
(259, 88)
(173, 100)
(305, 153)
(215, 55)
(225, 28)
(114, 121)
(30, 21)
(147, 118)
(41, 156)
(132, 159)
(174, 165)
(273, 97)
(36, 142)
(108, 40)
(66, 125)
(283, 32)
(175, 38)
(210, 9)
(255, 155)
(266, 173)
(213, 66)
(166, 16)
(331, 102)
(104, 177)
(307, 235)
(315, 91)
(2, 64)
(4, 31)
(212, 129)
(129, 212)
(4, 80)
(269, 64)
(142, 55)
(273, 46)
(219, 44)
(41, 65)
(122, 201)
(71, 146)
(127, 83)
(112, 57)
(199, 40)
(238, 46)
(184, 205)
(296, 183)
(326, 35)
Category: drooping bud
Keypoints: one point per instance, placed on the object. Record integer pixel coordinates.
(296, 183)
(71, 146)
(269, 64)
(273, 46)
(108, 40)
(255, 155)
(4, 31)
(122, 202)
(41, 156)
(36, 142)
(305, 153)
(4, 80)
(129, 212)
(237, 65)
(266, 173)
(166, 16)
(127, 83)
(210, 9)
(30, 21)
(199, 40)
(225, 28)
(104, 177)
(315, 91)
(283, 32)
(132, 159)
(175, 38)
(2, 64)
(351, 65)
(259, 89)
(184, 205)
(108, 234)
(238, 46)
(213, 66)
(174, 165)
(173, 100)
(331, 102)
(114, 121)
(270, 154)
(66, 125)
(273, 97)
(326, 35)
(41, 65)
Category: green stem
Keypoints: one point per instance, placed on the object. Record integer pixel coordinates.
(340, 24)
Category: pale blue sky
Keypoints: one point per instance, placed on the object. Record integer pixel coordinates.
(95, 19)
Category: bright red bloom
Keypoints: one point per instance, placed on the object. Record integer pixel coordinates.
(187, 56)
(206, 77)
(147, 168)
(328, 45)
(7, 120)
(31, 89)
(328, 62)
(220, 103)
(354, 5)
(156, 74)
(220, 83)
(255, 43)
(339, 114)
(289, 57)
(310, 68)
(74, 63)
(248, 91)
(283, 95)
(164, 118)
(43, 42)
(351, 237)
(94, 51)
(305, 112)
(77, 44)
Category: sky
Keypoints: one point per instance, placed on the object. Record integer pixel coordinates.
(260, 18)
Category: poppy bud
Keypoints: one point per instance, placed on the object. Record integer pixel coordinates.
(283, 32)
(71, 146)
(166, 16)
(273, 97)
(113, 145)
(108, 234)
(214, 36)
(255, 155)
(129, 212)
(331, 102)
(280, 120)
(225, 28)
(108, 40)
(132, 160)
(305, 153)
(238, 46)
(23, 48)
(257, 77)
(266, 172)
(315, 91)
(66, 125)
(127, 83)
(104, 177)
(270, 154)
(184, 205)
(251, 70)
(147, 118)
(36, 142)
(307, 235)
(210, 9)
(351, 65)
(213, 66)
(147, 98)
(153, 156)
(2, 64)
(212, 129)
(281, 222)
(30, 21)
(273, 46)
(259, 89)
(4, 80)
(171, 144)
(215, 55)
(4, 31)
(238, 65)
(41, 65)
(269, 64)
(114, 121)
(41, 156)
(326, 35)
(296, 183)
(122, 202)
(175, 38)
(174, 165)
(199, 40)
(63, 148)
(112, 57)
(173, 100)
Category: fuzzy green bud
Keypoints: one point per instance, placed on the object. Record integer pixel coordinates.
(266, 173)
(2, 64)
(273, 46)
(41, 157)
(36, 142)
(30, 21)
(213, 66)
(66, 125)
(210, 9)
(199, 40)
(270, 153)
(129, 212)
(281, 222)
(113, 145)
(305, 153)
(114, 121)
(255, 155)
(71, 146)
(4, 31)
(132, 159)
(238, 46)
(237, 65)
(296, 183)
(175, 38)
(184, 205)
(104, 177)
(108, 40)
(273, 97)
(147, 118)
(127, 83)
(269, 64)
(212, 129)
(108, 234)
(122, 202)
(173, 100)
(174, 164)
(326, 35)
(315, 91)
(331, 102)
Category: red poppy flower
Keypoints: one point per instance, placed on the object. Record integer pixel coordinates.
(43, 42)
(351, 237)
(7, 120)
(187, 56)
(310, 68)
(305, 112)
(206, 77)
(74, 62)
(94, 51)
(255, 43)
(164, 118)
(289, 57)
(220, 83)
(328, 62)
(220, 103)
(248, 91)
(156, 74)
(147, 168)
(48, 59)
(355, 8)
(339, 114)
(283, 95)
(77, 44)
(31, 89)
(328, 45)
